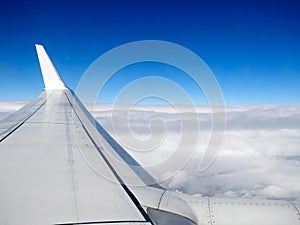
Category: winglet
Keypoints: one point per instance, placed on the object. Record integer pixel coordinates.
(51, 77)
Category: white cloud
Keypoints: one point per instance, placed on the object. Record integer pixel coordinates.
(7, 107)
(259, 157)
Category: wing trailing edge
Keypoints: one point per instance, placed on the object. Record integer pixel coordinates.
(51, 78)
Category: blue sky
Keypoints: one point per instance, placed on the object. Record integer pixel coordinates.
(252, 47)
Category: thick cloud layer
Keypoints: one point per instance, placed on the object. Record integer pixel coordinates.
(259, 156)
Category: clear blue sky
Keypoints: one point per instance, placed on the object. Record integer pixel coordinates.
(253, 47)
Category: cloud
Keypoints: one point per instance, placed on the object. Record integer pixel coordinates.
(8, 107)
(259, 157)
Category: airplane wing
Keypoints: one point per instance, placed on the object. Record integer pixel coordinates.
(59, 166)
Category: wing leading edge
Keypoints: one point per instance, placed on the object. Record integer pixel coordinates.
(59, 166)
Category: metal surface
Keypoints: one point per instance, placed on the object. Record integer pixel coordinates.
(51, 77)
(45, 179)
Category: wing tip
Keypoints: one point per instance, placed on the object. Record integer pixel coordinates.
(51, 77)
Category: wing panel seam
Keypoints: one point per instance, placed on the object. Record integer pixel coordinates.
(126, 189)
(17, 126)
